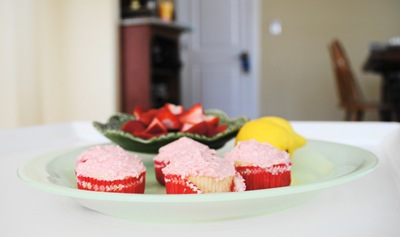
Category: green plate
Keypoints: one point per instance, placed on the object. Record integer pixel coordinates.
(112, 131)
(316, 166)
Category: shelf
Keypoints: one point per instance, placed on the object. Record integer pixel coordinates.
(155, 22)
(150, 63)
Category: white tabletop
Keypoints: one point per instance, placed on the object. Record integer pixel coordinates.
(369, 206)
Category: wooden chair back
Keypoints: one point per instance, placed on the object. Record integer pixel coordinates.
(349, 92)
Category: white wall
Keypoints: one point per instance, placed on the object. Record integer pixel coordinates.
(90, 51)
(58, 61)
(17, 63)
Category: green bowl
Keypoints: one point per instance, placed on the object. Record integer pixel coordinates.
(112, 131)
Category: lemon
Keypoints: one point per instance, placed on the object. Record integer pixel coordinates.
(299, 140)
(274, 130)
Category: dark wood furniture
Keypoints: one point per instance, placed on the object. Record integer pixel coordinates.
(351, 98)
(149, 63)
(384, 60)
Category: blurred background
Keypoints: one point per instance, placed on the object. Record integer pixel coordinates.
(60, 60)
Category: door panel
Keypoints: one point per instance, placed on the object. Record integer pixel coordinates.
(218, 24)
(212, 74)
(217, 86)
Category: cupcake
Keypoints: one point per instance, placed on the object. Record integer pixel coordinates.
(110, 168)
(196, 172)
(172, 150)
(261, 164)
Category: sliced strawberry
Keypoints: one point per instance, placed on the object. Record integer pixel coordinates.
(138, 111)
(148, 116)
(211, 130)
(212, 120)
(156, 127)
(168, 119)
(174, 109)
(222, 128)
(133, 126)
(196, 128)
(193, 115)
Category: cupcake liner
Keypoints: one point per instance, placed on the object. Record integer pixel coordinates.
(158, 166)
(127, 185)
(260, 178)
(175, 184)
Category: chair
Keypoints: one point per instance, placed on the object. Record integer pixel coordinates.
(350, 95)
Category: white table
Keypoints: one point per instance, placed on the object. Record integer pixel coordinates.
(369, 206)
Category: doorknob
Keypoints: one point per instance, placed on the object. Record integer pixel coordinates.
(245, 61)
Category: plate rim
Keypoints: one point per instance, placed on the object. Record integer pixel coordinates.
(366, 168)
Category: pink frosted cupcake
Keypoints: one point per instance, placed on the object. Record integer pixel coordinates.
(194, 172)
(261, 165)
(172, 150)
(110, 168)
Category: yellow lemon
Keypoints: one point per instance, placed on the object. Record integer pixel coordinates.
(274, 130)
(299, 140)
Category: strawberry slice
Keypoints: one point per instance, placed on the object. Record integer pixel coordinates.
(211, 131)
(194, 115)
(200, 128)
(174, 109)
(133, 126)
(222, 128)
(138, 111)
(214, 130)
(168, 119)
(212, 120)
(148, 116)
(156, 127)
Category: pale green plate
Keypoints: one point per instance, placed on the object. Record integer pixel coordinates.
(316, 166)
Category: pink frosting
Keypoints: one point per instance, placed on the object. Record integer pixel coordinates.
(239, 183)
(196, 163)
(108, 162)
(183, 144)
(259, 154)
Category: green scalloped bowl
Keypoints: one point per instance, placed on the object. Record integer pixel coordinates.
(112, 131)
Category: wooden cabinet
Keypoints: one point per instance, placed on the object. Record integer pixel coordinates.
(150, 63)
